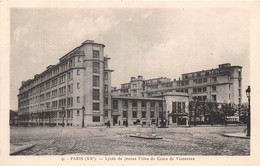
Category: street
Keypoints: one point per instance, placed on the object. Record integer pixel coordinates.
(201, 140)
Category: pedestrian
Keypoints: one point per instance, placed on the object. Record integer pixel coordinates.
(108, 124)
(119, 123)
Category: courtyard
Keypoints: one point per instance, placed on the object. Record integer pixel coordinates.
(200, 140)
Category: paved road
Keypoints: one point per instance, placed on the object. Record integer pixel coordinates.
(116, 141)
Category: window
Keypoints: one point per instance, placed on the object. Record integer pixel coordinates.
(179, 107)
(134, 103)
(70, 75)
(106, 101)
(143, 103)
(70, 88)
(62, 78)
(239, 74)
(124, 114)
(54, 82)
(48, 95)
(78, 99)
(194, 90)
(78, 72)
(77, 85)
(186, 90)
(214, 88)
(143, 114)
(62, 102)
(125, 103)
(106, 88)
(106, 76)
(239, 92)
(79, 59)
(96, 81)
(95, 67)
(134, 114)
(134, 85)
(239, 83)
(54, 93)
(204, 98)
(115, 104)
(62, 91)
(204, 89)
(77, 112)
(105, 63)
(96, 54)
(134, 93)
(70, 101)
(54, 104)
(174, 107)
(152, 114)
(96, 119)
(96, 106)
(152, 104)
(47, 86)
(183, 107)
(106, 113)
(214, 79)
(214, 97)
(95, 94)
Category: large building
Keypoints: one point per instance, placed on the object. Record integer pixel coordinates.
(77, 91)
(220, 85)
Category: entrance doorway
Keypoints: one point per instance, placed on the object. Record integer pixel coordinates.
(115, 118)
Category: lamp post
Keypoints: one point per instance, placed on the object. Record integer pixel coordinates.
(63, 114)
(248, 91)
(168, 118)
(126, 123)
(195, 113)
(83, 112)
(162, 119)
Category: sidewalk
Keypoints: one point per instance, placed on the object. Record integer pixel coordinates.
(237, 135)
(16, 148)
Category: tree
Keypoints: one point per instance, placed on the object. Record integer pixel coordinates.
(227, 109)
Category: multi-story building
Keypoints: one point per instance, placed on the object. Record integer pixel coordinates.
(221, 85)
(75, 91)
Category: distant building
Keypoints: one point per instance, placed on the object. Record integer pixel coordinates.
(13, 118)
(221, 85)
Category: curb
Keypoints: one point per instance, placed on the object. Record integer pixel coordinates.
(236, 136)
(20, 149)
(146, 137)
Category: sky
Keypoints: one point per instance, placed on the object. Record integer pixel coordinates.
(152, 42)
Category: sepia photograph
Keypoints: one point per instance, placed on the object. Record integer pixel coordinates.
(130, 84)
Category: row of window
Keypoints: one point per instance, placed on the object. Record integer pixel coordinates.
(178, 107)
(134, 104)
(199, 90)
(62, 79)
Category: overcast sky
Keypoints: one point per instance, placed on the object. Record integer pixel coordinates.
(148, 42)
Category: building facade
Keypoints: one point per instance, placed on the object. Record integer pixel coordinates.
(220, 85)
(75, 91)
